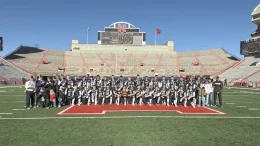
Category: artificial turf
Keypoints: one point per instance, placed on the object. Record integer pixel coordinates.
(140, 131)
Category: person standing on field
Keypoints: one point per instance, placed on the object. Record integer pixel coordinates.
(218, 86)
(30, 92)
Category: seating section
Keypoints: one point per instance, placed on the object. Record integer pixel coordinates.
(55, 59)
(10, 72)
(186, 60)
(255, 77)
(242, 71)
(27, 58)
(146, 63)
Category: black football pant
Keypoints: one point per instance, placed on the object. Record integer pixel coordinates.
(47, 98)
(38, 98)
(29, 98)
(219, 94)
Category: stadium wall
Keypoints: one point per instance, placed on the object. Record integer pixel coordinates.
(169, 46)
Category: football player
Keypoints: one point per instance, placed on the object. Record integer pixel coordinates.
(76, 95)
(181, 95)
(116, 93)
(85, 95)
(190, 94)
(164, 96)
(172, 96)
(108, 95)
(69, 94)
(61, 95)
(156, 96)
(94, 96)
(131, 94)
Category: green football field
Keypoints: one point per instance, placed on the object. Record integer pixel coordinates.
(241, 125)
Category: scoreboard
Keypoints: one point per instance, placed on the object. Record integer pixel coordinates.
(250, 46)
(113, 38)
(120, 34)
(1, 43)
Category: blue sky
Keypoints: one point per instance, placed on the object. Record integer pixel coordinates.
(191, 24)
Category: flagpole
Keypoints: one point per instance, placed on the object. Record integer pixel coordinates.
(87, 34)
(87, 37)
(155, 38)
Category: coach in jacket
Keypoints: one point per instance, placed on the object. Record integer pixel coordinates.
(218, 86)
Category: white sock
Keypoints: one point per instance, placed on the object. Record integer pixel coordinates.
(103, 100)
(110, 100)
(72, 101)
(95, 101)
(168, 100)
(118, 101)
(185, 103)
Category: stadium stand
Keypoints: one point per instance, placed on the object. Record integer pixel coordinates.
(53, 60)
(246, 70)
(103, 63)
(9, 72)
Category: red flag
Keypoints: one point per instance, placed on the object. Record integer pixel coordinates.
(158, 31)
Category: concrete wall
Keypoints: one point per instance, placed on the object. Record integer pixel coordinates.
(169, 46)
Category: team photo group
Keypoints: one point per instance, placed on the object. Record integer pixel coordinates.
(167, 91)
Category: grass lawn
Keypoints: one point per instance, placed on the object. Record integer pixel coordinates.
(239, 127)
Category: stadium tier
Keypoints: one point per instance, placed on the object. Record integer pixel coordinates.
(128, 63)
(9, 72)
(247, 70)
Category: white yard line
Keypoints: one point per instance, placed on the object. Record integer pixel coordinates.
(12, 101)
(11, 95)
(6, 113)
(254, 109)
(243, 88)
(133, 117)
(240, 102)
(8, 87)
(18, 109)
(241, 106)
(230, 103)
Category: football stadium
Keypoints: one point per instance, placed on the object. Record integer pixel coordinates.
(123, 91)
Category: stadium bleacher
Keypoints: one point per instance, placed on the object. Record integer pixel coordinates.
(103, 63)
(11, 73)
(243, 72)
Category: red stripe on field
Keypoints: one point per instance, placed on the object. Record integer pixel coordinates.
(99, 110)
